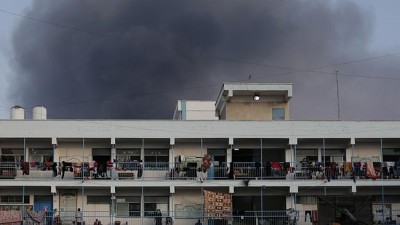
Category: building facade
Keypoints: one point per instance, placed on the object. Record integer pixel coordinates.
(129, 171)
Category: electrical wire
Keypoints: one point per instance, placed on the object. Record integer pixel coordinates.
(77, 29)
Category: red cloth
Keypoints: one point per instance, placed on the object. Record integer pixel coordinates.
(314, 215)
(275, 165)
(109, 163)
(25, 169)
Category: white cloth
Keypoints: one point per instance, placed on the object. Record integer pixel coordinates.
(389, 164)
(79, 217)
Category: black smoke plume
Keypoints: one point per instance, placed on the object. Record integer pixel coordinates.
(134, 59)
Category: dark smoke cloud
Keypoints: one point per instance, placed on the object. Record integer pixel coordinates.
(134, 59)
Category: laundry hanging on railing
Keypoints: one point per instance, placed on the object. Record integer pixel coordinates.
(370, 170)
(217, 204)
(11, 217)
(25, 168)
(36, 217)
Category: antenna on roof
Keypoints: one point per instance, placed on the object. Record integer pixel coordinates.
(337, 93)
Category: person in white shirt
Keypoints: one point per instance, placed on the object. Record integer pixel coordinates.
(79, 217)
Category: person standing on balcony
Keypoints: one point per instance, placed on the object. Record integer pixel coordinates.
(158, 217)
(109, 166)
(257, 173)
(231, 171)
(292, 215)
(57, 219)
(63, 169)
(79, 217)
(140, 169)
(54, 168)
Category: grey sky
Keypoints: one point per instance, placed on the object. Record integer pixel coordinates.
(44, 64)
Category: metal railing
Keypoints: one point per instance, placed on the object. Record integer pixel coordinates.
(8, 170)
(276, 217)
(173, 171)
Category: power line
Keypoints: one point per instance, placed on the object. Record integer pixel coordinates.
(55, 24)
(337, 93)
(215, 84)
(314, 70)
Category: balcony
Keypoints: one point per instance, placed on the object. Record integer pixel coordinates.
(157, 171)
(276, 217)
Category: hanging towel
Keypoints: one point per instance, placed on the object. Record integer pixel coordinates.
(314, 216)
(370, 170)
(25, 170)
(347, 168)
(37, 217)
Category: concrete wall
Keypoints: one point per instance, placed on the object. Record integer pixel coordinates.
(200, 110)
(74, 152)
(253, 110)
(189, 149)
(195, 110)
(188, 196)
(367, 149)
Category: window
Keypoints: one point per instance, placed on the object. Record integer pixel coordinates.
(150, 209)
(14, 199)
(334, 155)
(40, 155)
(106, 152)
(12, 155)
(15, 207)
(128, 206)
(152, 204)
(124, 155)
(134, 209)
(391, 155)
(156, 158)
(92, 199)
(309, 154)
(307, 199)
(127, 158)
(278, 114)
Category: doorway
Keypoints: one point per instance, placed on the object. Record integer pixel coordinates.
(218, 162)
(101, 156)
(44, 203)
(330, 208)
(67, 206)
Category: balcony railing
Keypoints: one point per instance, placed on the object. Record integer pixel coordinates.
(173, 171)
(8, 170)
(277, 217)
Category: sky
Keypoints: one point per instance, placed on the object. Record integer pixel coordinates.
(135, 59)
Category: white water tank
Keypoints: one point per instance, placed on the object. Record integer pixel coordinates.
(39, 113)
(17, 113)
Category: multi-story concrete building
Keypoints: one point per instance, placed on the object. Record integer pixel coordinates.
(244, 144)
